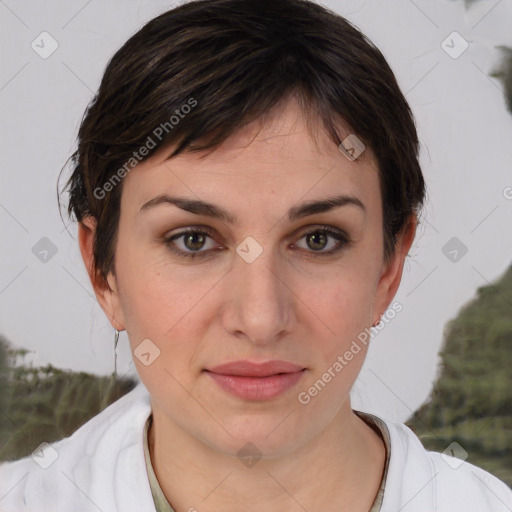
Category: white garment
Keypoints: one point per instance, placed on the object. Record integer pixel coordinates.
(101, 467)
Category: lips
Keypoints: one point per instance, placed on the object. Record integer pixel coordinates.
(249, 369)
(256, 381)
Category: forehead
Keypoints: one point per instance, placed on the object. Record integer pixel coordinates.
(276, 157)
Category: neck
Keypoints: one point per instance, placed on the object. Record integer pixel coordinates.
(340, 470)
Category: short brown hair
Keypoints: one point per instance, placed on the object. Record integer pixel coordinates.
(237, 59)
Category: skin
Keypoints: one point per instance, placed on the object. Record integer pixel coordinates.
(291, 303)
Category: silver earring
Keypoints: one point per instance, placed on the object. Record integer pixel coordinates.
(116, 340)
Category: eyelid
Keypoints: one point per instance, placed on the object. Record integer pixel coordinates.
(212, 233)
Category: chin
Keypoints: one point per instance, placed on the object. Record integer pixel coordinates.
(255, 437)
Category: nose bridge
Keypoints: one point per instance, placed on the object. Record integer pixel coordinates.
(260, 301)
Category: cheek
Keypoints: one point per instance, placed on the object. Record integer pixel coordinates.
(343, 302)
(165, 306)
(341, 339)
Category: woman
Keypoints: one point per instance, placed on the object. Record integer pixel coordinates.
(247, 189)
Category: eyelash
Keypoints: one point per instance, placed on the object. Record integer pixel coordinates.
(340, 236)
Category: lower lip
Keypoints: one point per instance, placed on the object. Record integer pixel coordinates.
(257, 388)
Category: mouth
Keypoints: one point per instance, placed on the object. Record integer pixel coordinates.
(256, 381)
(247, 368)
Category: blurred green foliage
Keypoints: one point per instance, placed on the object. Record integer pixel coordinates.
(47, 403)
(471, 402)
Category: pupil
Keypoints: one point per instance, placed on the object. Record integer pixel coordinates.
(315, 237)
(190, 237)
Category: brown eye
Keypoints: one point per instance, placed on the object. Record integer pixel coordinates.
(194, 241)
(192, 244)
(318, 240)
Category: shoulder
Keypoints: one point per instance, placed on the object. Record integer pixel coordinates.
(435, 481)
(101, 465)
(462, 482)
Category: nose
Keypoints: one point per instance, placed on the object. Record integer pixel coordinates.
(259, 302)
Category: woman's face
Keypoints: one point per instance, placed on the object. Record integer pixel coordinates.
(264, 284)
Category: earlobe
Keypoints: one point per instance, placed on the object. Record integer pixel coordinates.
(106, 293)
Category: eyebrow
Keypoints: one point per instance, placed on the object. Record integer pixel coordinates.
(299, 211)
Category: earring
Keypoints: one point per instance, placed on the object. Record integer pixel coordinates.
(116, 340)
(378, 321)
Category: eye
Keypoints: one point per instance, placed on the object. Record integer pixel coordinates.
(193, 240)
(318, 239)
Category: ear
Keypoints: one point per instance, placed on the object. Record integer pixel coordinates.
(106, 292)
(391, 274)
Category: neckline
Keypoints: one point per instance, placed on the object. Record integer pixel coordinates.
(377, 424)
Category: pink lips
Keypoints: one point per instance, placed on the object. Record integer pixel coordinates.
(256, 381)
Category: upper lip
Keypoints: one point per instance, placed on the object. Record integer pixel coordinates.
(250, 369)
